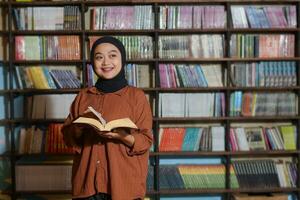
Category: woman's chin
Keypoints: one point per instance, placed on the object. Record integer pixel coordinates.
(107, 76)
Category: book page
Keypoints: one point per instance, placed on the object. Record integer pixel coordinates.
(125, 122)
(93, 122)
(102, 120)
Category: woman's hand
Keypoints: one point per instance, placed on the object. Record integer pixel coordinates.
(119, 134)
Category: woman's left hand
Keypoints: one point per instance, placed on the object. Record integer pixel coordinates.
(120, 134)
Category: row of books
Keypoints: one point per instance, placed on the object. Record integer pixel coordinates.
(192, 139)
(187, 17)
(263, 104)
(37, 18)
(265, 173)
(265, 74)
(262, 45)
(191, 104)
(47, 77)
(54, 106)
(183, 75)
(206, 176)
(64, 47)
(255, 74)
(36, 140)
(263, 138)
(170, 17)
(191, 46)
(137, 47)
(255, 137)
(137, 75)
(176, 105)
(141, 47)
(263, 16)
(133, 17)
(43, 177)
(244, 173)
(247, 173)
(192, 177)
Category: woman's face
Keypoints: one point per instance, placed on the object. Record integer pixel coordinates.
(107, 61)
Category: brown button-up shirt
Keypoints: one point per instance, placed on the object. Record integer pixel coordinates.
(109, 166)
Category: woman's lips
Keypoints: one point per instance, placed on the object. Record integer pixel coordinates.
(107, 69)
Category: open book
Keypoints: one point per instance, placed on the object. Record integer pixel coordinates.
(100, 124)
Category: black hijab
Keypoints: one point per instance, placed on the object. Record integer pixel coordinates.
(119, 81)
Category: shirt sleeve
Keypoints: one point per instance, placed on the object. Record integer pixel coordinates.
(68, 131)
(143, 118)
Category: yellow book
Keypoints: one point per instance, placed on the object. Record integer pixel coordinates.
(289, 137)
(101, 124)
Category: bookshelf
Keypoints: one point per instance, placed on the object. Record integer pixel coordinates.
(153, 31)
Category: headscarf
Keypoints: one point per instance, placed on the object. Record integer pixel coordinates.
(119, 81)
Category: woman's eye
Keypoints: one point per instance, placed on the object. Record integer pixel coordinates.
(99, 57)
(113, 55)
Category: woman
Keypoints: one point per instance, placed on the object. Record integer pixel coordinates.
(110, 165)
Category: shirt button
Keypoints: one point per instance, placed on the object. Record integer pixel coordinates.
(98, 161)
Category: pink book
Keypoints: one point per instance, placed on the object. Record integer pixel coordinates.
(197, 16)
(163, 76)
(20, 48)
(186, 18)
(232, 140)
(172, 76)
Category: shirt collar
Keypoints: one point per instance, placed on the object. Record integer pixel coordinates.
(94, 90)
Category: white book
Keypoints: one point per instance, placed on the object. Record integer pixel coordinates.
(241, 139)
(57, 106)
(172, 105)
(218, 138)
(194, 105)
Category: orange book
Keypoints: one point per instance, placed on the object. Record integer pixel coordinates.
(246, 106)
(172, 139)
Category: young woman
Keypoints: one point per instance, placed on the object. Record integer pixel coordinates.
(110, 165)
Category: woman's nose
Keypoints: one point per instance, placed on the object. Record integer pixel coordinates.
(105, 60)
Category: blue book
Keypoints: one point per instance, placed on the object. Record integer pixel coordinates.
(3, 77)
(267, 74)
(232, 100)
(293, 73)
(4, 140)
(196, 75)
(280, 73)
(284, 73)
(201, 75)
(2, 107)
(252, 19)
(48, 77)
(18, 107)
(263, 20)
(128, 73)
(191, 139)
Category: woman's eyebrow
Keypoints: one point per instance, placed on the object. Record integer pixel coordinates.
(111, 51)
